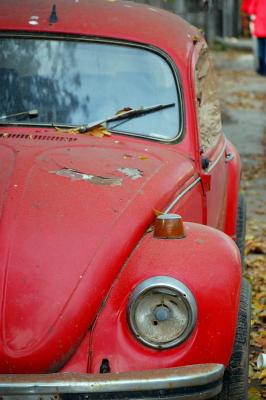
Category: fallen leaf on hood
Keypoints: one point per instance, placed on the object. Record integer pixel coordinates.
(123, 111)
(98, 131)
(143, 157)
(73, 131)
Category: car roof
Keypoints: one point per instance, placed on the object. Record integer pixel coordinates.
(124, 20)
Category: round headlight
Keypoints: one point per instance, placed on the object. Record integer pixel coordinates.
(162, 312)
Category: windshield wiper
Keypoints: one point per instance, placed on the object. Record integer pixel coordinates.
(29, 113)
(126, 115)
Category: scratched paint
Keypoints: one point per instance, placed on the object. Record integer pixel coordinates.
(74, 175)
(133, 173)
(33, 20)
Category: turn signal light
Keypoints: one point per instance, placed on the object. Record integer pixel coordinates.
(169, 226)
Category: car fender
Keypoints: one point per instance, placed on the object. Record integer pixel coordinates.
(207, 261)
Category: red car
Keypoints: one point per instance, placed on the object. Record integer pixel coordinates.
(120, 209)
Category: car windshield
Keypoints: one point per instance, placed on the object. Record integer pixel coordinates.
(74, 82)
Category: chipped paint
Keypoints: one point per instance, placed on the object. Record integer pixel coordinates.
(133, 173)
(33, 22)
(74, 175)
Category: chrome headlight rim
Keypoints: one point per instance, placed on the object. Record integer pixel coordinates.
(172, 285)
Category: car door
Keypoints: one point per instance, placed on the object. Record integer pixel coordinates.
(214, 170)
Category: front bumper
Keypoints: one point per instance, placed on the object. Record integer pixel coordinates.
(201, 381)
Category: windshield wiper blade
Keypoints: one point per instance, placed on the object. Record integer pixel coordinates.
(126, 115)
(29, 113)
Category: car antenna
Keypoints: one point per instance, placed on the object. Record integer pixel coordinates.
(53, 17)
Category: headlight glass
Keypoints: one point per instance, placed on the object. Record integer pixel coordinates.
(162, 312)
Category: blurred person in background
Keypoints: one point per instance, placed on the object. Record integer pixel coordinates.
(250, 18)
(257, 12)
(245, 6)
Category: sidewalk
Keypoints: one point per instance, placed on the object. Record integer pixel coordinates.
(243, 100)
(235, 43)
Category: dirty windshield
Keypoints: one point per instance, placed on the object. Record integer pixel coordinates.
(75, 83)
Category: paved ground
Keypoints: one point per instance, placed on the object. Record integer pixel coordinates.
(243, 101)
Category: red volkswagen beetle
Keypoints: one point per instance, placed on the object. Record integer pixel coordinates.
(120, 212)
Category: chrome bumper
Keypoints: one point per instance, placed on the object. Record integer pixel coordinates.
(190, 382)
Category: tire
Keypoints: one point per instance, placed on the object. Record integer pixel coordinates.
(235, 381)
(241, 227)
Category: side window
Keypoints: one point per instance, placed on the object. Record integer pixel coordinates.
(209, 115)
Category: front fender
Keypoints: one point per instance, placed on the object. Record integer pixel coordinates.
(208, 262)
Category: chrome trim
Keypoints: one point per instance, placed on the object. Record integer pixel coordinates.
(182, 194)
(172, 285)
(229, 157)
(136, 381)
(214, 163)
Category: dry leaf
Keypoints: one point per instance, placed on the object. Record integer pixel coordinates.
(253, 394)
(98, 131)
(123, 111)
(262, 374)
(70, 131)
(143, 157)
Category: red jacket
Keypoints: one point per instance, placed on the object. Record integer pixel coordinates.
(246, 5)
(258, 8)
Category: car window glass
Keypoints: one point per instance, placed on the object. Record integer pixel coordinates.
(208, 107)
(72, 82)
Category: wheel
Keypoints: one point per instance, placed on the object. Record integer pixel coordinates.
(236, 375)
(241, 227)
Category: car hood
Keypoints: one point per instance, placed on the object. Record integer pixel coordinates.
(71, 213)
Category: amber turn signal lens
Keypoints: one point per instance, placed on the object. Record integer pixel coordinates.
(169, 226)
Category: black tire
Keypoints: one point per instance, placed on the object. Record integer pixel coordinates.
(241, 227)
(235, 383)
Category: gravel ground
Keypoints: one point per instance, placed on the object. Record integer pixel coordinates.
(243, 102)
